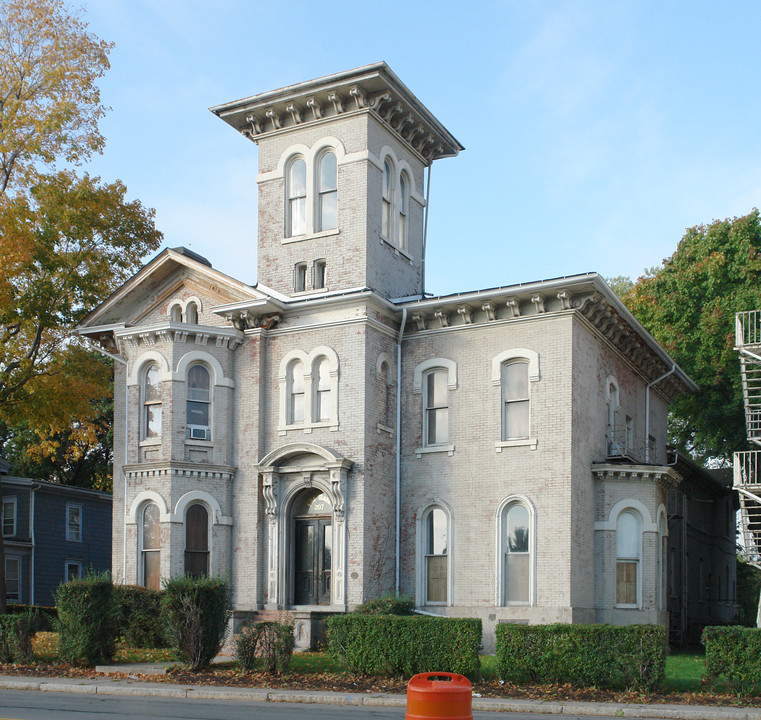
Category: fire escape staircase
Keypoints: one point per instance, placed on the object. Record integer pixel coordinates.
(747, 465)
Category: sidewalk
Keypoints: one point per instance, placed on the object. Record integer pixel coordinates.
(110, 686)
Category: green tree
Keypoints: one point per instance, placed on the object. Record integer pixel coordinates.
(689, 306)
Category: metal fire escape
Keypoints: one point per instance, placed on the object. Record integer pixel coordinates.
(747, 466)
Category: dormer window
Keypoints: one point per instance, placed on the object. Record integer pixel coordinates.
(297, 198)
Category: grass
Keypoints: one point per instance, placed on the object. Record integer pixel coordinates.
(45, 646)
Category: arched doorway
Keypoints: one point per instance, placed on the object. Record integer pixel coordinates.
(312, 548)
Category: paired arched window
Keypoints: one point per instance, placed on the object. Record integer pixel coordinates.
(436, 570)
(191, 313)
(628, 558)
(515, 400)
(175, 313)
(395, 205)
(197, 540)
(309, 389)
(321, 383)
(311, 204)
(296, 392)
(150, 547)
(516, 541)
(198, 406)
(151, 398)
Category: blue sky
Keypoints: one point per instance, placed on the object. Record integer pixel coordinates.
(595, 131)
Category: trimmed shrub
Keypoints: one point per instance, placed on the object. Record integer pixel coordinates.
(391, 605)
(47, 616)
(735, 653)
(584, 655)
(87, 623)
(196, 612)
(139, 611)
(16, 633)
(404, 646)
(270, 642)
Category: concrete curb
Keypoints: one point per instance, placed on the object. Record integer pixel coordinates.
(107, 686)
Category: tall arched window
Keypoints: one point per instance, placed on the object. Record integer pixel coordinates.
(322, 391)
(628, 555)
(613, 442)
(198, 404)
(150, 547)
(404, 208)
(436, 540)
(515, 400)
(191, 313)
(197, 541)
(327, 192)
(387, 218)
(296, 392)
(516, 540)
(436, 407)
(151, 425)
(296, 190)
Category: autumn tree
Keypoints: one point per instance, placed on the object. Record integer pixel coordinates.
(689, 306)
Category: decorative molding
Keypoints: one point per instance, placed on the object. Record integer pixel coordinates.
(663, 475)
(466, 313)
(513, 306)
(490, 309)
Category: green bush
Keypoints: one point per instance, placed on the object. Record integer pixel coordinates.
(584, 655)
(16, 633)
(47, 616)
(87, 621)
(391, 605)
(404, 646)
(735, 653)
(196, 612)
(139, 611)
(272, 642)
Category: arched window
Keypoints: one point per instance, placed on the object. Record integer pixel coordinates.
(321, 383)
(404, 208)
(628, 555)
(614, 443)
(387, 218)
(198, 404)
(191, 313)
(436, 407)
(197, 541)
(436, 570)
(296, 392)
(151, 425)
(662, 555)
(175, 314)
(296, 192)
(300, 277)
(327, 193)
(516, 543)
(150, 547)
(515, 400)
(319, 281)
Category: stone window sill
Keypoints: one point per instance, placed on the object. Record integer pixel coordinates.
(311, 236)
(520, 442)
(448, 449)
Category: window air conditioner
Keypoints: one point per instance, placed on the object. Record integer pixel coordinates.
(198, 433)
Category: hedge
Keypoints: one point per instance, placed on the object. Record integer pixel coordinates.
(584, 655)
(139, 612)
(267, 643)
(735, 653)
(390, 605)
(402, 646)
(16, 633)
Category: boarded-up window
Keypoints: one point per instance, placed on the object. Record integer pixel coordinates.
(197, 541)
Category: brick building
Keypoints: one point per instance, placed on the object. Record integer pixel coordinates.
(333, 433)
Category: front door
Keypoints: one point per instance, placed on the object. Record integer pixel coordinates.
(313, 551)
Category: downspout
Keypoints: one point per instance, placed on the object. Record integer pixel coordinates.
(647, 410)
(425, 230)
(398, 479)
(31, 537)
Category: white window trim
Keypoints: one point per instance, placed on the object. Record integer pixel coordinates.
(531, 357)
(208, 428)
(398, 168)
(504, 506)
(310, 361)
(210, 514)
(11, 500)
(640, 559)
(420, 371)
(140, 522)
(71, 506)
(421, 578)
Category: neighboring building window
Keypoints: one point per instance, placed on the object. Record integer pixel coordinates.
(327, 193)
(436, 537)
(73, 523)
(387, 219)
(150, 550)
(319, 274)
(12, 580)
(322, 404)
(191, 313)
(151, 403)
(297, 197)
(198, 408)
(515, 400)
(516, 540)
(296, 392)
(628, 550)
(436, 407)
(300, 277)
(9, 516)
(404, 209)
(73, 570)
(197, 541)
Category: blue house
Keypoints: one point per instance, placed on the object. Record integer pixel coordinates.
(52, 533)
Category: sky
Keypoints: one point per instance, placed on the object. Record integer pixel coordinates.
(596, 131)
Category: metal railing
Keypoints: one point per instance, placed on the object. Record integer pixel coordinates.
(746, 469)
(748, 328)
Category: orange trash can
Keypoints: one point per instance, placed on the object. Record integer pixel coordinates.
(439, 695)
